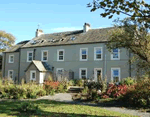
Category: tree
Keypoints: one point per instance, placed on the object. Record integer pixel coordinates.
(6, 40)
(131, 33)
(135, 9)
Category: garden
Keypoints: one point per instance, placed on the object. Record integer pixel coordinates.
(130, 92)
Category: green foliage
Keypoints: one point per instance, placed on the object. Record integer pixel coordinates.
(128, 81)
(80, 82)
(85, 90)
(137, 10)
(24, 91)
(28, 107)
(139, 95)
(6, 40)
(72, 82)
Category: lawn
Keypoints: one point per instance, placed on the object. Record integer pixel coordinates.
(55, 109)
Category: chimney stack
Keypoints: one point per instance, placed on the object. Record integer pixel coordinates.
(86, 27)
(39, 32)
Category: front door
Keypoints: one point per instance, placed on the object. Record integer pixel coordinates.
(97, 74)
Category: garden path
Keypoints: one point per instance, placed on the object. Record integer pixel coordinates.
(67, 97)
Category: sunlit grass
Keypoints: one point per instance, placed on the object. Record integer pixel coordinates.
(56, 109)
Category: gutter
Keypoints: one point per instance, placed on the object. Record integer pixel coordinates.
(4, 64)
(129, 63)
(65, 44)
(19, 66)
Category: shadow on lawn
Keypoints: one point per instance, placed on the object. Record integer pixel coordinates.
(10, 108)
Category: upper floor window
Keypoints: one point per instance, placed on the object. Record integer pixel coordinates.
(98, 53)
(60, 55)
(29, 56)
(10, 74)
(83, 54)
(83, 73)
(115, 54)
(115, 74)
(44, 55)
(11, 58)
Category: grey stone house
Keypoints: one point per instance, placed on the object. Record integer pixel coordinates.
(83, 52)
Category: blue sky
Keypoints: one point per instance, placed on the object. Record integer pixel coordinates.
(22, 17)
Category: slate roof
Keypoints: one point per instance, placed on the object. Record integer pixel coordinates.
(65, 38)
(41, 66)
(72, 37)
(16, 47)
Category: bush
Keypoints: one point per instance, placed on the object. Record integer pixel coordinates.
(115, 91)
(80, 82)
(139, 95)
(128, 81)
(28, 107)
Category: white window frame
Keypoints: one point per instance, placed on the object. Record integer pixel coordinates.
(32, 71)
(80, 72)
(10, 59)
(9, 73)
(96, 54)
(118, 55)
(28, 55)
(43, 56)
(81, 54)
(112, 73)
(95, 75)
(59, 69)
(59, 55)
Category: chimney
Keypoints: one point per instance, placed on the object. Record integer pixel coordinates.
(86, 27)
(39, 32)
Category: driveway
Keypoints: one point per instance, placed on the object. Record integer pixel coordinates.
(67, 97)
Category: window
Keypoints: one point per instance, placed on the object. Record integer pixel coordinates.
(44, 55)
(115, 74)
(29, 56)
(98, 53)
(60, 55)
(60, 71)
(115, 54)
(83, 73)
(11, 58)
(83, 54)
(32, 75)
(10, 74)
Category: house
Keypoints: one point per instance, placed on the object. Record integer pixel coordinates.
(80, 53)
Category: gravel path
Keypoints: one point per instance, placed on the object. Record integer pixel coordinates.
(67, 97)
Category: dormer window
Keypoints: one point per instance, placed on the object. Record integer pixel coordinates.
(11, 58)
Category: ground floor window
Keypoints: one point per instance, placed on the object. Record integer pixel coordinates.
(115, 74)
(83, 73)
(10, 74)
(32, 75)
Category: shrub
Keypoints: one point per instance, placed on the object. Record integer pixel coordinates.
(139, 95)
(128, 81)
(50, 87)
(85, 90)
(115, 91)
(28, 107)
(80, 82)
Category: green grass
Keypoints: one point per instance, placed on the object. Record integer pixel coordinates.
(55, 109)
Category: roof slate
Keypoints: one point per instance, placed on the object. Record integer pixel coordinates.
(65, 38)
(41, 66)
(93, 35)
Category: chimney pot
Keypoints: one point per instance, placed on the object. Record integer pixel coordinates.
(39, 32)
(86, 27)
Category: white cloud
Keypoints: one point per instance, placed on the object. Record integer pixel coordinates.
(62, 29)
